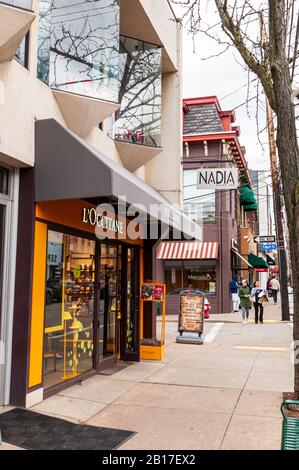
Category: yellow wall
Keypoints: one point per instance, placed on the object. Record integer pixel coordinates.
(38, 305)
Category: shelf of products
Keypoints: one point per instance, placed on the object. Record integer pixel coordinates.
(153, 348)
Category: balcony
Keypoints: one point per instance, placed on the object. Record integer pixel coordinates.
(78, 57)
(136, 127)
(16, 18)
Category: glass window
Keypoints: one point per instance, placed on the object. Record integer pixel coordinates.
(78, 48)
(173, 276)
(139, 119)
(69, 310)
(22, 52)
(200, 275)
(4, 180)
(199, 204)
(2, 236)
(27, 4)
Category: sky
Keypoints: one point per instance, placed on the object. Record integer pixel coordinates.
(221, 76)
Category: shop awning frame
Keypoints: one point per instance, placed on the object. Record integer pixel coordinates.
(242, 258)
(67, 167)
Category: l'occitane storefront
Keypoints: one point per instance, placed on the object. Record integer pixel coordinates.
(85, 294)
(78, 269)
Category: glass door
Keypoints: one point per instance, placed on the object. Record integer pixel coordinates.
(130, 306)
(108, 303)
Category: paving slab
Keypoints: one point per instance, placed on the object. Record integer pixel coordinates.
(217, 378)
(253, 433)
(74, 408)
(138, 372)
(259, 403)
(99, 389)
(161, 429)
(272, 382)
(173, 397)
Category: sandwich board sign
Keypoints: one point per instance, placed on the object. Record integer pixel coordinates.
(191, 317)
(217, 178)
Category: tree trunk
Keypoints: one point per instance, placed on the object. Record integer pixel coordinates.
(287, 148)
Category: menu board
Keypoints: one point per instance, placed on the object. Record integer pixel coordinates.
(191, 313)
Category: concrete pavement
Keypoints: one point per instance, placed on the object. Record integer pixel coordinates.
(222, 395)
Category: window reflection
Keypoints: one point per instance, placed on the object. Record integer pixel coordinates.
(69, 309)
(199, 204)
(139, 119)
(78, 47)
(27, 4)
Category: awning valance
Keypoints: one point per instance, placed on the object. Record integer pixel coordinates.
(257, 261)
(188, 250)
(67, 167)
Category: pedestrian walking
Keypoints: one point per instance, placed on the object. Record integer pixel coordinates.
(245, 302)
(234, 287)
(275, 287)
(259, 296)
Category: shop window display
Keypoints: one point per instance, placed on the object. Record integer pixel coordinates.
(200, 275)
(69, 310)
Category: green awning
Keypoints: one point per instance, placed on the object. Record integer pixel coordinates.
(247, 196)
(257, 261)
(250, 207)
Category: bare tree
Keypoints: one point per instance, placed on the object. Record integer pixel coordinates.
(273, 61)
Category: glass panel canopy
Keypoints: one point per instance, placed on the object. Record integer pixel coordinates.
(78, 49)
(139, 119)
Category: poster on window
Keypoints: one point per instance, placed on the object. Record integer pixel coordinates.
(191, 313)
(153, 292)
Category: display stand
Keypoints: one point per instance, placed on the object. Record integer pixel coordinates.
(153, 349)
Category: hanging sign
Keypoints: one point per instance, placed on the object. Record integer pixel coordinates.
(218, 178)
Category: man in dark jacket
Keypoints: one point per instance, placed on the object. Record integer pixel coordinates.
(234, 293)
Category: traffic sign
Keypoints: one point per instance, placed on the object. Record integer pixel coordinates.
(268, 246)
(265, 239)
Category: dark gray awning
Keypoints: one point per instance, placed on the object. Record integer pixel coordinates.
(68, 168)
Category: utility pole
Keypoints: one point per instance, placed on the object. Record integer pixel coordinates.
(277, 197)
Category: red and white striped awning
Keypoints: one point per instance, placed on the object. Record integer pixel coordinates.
(188, 250)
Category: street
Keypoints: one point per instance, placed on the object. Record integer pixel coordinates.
(225, 394)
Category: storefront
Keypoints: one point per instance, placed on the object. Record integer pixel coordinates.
(88, 291)
(189, 265)
(77, 311)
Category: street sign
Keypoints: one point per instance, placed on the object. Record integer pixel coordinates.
(265, 239)
(268, 246)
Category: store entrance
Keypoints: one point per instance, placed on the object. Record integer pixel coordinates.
(118, 305)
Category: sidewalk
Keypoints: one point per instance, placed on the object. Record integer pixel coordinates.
(225, 394)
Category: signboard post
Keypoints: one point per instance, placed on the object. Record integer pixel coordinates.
(191, 317)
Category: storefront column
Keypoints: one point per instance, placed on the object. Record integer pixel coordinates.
(23, 289)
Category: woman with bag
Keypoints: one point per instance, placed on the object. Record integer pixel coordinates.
(259, 296)
(245, 302)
